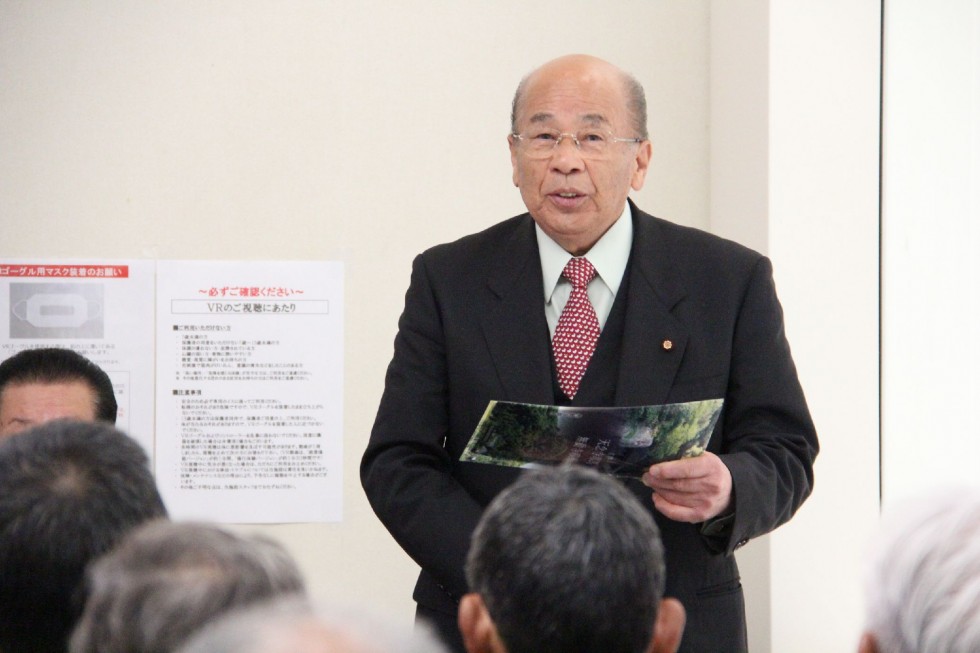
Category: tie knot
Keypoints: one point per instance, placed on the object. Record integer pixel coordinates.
(579, 271)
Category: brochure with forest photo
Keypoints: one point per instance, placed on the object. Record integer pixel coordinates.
(617, 441)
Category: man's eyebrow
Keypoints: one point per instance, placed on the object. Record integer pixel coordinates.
(589, 118)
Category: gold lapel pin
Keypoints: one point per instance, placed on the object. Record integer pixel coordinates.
(667, 345)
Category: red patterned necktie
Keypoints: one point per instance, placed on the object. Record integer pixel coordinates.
(577, 330)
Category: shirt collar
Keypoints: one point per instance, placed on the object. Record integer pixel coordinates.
(608, 256)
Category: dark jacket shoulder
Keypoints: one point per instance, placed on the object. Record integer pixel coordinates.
(689, 244)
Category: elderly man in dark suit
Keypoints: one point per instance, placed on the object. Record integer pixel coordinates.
(588, 301)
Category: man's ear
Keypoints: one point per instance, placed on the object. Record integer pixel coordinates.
(669, 627)
(642, 163)
(477, 628)
(512, 143)
(868, 644)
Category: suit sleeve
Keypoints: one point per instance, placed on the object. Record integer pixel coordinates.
(406, 470)
(769, 440)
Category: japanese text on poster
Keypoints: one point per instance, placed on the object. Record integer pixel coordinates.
(101, 309)
(250, 390)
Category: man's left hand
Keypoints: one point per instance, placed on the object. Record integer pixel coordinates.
(692, 489)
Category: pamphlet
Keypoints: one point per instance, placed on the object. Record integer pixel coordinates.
(617, 441)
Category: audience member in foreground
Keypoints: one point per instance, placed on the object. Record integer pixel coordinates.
(166, 580)
(291, 626)
(922, 583)
(566, 560)
(39, 385)
(68, 491)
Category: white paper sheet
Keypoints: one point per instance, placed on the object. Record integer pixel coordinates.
(250, 390)
(101, 308)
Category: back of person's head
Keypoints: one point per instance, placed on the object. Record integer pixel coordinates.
(566, 560)
(165, 580)
(68, 491)
(922, 581)
(291, 625)
(51, 365)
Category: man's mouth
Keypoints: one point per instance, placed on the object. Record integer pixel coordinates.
(567, 198)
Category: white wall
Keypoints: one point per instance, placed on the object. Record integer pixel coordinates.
(353, 131)
(794, 172)
(739, 208)
(823, 238)
(930, 240)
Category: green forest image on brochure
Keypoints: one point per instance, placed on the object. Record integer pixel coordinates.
(617, 441)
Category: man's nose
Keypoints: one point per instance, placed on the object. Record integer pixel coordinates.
(566, 157)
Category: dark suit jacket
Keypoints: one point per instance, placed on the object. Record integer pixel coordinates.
(474, 329)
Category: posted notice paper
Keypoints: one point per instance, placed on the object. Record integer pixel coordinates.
(250, 390)
(101, 308)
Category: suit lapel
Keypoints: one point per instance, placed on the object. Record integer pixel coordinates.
(653, 339)
(514, 325)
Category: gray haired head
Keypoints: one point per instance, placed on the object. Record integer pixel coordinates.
(292, 625)
(567, 560)
(922, 585)
(167, 579)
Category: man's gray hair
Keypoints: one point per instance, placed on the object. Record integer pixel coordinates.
(636, 104)
(292, 624)
(922, 583)
(566, 560)
(166, 580)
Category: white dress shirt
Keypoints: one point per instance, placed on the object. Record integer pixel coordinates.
(609, 256)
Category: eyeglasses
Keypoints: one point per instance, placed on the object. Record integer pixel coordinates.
(542, 143)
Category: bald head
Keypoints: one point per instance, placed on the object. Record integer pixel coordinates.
(575, 196)
(584, 69)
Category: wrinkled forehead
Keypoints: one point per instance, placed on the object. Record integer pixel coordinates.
(573, 100)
